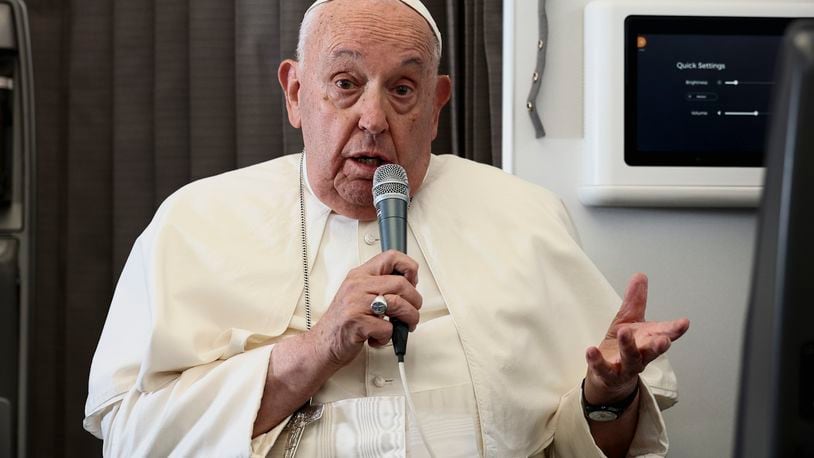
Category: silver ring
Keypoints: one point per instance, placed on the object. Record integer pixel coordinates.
(379, 306)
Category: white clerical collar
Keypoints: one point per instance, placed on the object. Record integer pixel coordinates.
(305, 177)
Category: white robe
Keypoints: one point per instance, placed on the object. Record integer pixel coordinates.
(215, 278)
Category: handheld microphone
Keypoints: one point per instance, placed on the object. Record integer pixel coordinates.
(391, 195)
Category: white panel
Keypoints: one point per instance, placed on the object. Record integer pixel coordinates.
(607, 179)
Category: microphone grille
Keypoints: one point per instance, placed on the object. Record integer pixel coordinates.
(390, 181)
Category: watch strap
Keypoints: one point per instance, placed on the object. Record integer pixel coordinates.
(606, 412)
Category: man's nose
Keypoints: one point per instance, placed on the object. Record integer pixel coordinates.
(373, 113)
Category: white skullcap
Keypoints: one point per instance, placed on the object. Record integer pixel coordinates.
(416, 5)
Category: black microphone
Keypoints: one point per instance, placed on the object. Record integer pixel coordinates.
(391, 195)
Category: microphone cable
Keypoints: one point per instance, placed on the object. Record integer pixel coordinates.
(403, 374)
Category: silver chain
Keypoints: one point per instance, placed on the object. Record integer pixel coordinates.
(304, 239)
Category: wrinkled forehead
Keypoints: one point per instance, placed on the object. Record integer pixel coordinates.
(415, 5)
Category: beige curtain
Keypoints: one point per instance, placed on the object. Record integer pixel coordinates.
(136, 98)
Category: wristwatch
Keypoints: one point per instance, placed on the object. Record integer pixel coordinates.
(606, 412)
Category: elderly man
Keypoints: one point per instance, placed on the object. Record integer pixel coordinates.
(209, 346)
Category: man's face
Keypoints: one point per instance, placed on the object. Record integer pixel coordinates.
(366, 93)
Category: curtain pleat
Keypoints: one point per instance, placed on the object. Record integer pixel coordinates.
(136, 98)
(88, 231)
(133, 144)
(473, 49)
(493, 71)
(444, 142)
(171, 105)
(47, 320)
(254, 74)
(454, 55)
(211, 87)
(477, 116)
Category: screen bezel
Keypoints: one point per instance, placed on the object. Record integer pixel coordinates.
(686, 25)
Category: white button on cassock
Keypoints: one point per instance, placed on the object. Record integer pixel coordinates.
(379, 381)
(371, 238)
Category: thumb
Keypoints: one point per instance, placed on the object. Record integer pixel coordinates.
(635, 301)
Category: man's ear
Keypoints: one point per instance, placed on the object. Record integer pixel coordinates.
(443, 91)
(287, 74)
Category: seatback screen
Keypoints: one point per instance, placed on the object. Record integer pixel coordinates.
(697, 89)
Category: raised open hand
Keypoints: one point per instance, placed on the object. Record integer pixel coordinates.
(630, 344)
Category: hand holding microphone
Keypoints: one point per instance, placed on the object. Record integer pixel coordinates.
(340, 334)
(389, 278)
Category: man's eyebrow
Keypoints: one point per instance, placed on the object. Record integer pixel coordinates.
(341, 52)
(417, 61)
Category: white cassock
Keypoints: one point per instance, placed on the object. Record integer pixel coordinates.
(510, 304)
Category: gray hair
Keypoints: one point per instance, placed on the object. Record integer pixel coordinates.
(305, 31)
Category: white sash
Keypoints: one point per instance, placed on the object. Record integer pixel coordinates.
(380, 426)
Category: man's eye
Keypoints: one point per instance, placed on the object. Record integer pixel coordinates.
(403, 90)
(344, 84)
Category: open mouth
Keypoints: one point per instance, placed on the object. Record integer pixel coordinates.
(367, 160)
